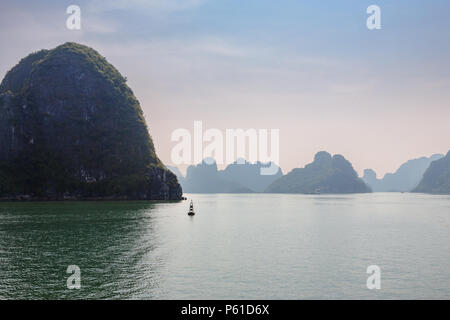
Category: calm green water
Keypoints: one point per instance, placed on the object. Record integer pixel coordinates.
(237, 246)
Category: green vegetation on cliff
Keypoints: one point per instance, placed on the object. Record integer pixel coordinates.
(71, 127)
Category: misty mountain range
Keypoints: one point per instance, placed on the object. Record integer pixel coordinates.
(326, 174)
(405, 179)
(236, 178)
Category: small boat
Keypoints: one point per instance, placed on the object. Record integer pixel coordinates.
(191, 209)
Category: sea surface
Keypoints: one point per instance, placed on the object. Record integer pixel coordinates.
(240, 246)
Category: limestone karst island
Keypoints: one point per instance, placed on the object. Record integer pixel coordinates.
(71, 128)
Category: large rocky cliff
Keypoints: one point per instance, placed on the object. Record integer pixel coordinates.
(70, 127)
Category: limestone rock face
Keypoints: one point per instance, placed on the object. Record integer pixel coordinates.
(70, 127)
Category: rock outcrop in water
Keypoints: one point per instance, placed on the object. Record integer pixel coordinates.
(405, 179)
(70, 127)
(436, 179)
(327, 174)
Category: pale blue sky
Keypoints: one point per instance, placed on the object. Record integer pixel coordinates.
(309, 68)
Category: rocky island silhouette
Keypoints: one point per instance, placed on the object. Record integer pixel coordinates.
(71, 128)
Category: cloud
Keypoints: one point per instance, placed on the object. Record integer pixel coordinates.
(165, 5)
(220, 47)
(97, 26)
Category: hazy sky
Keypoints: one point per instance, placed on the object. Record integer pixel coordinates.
(309, 68)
